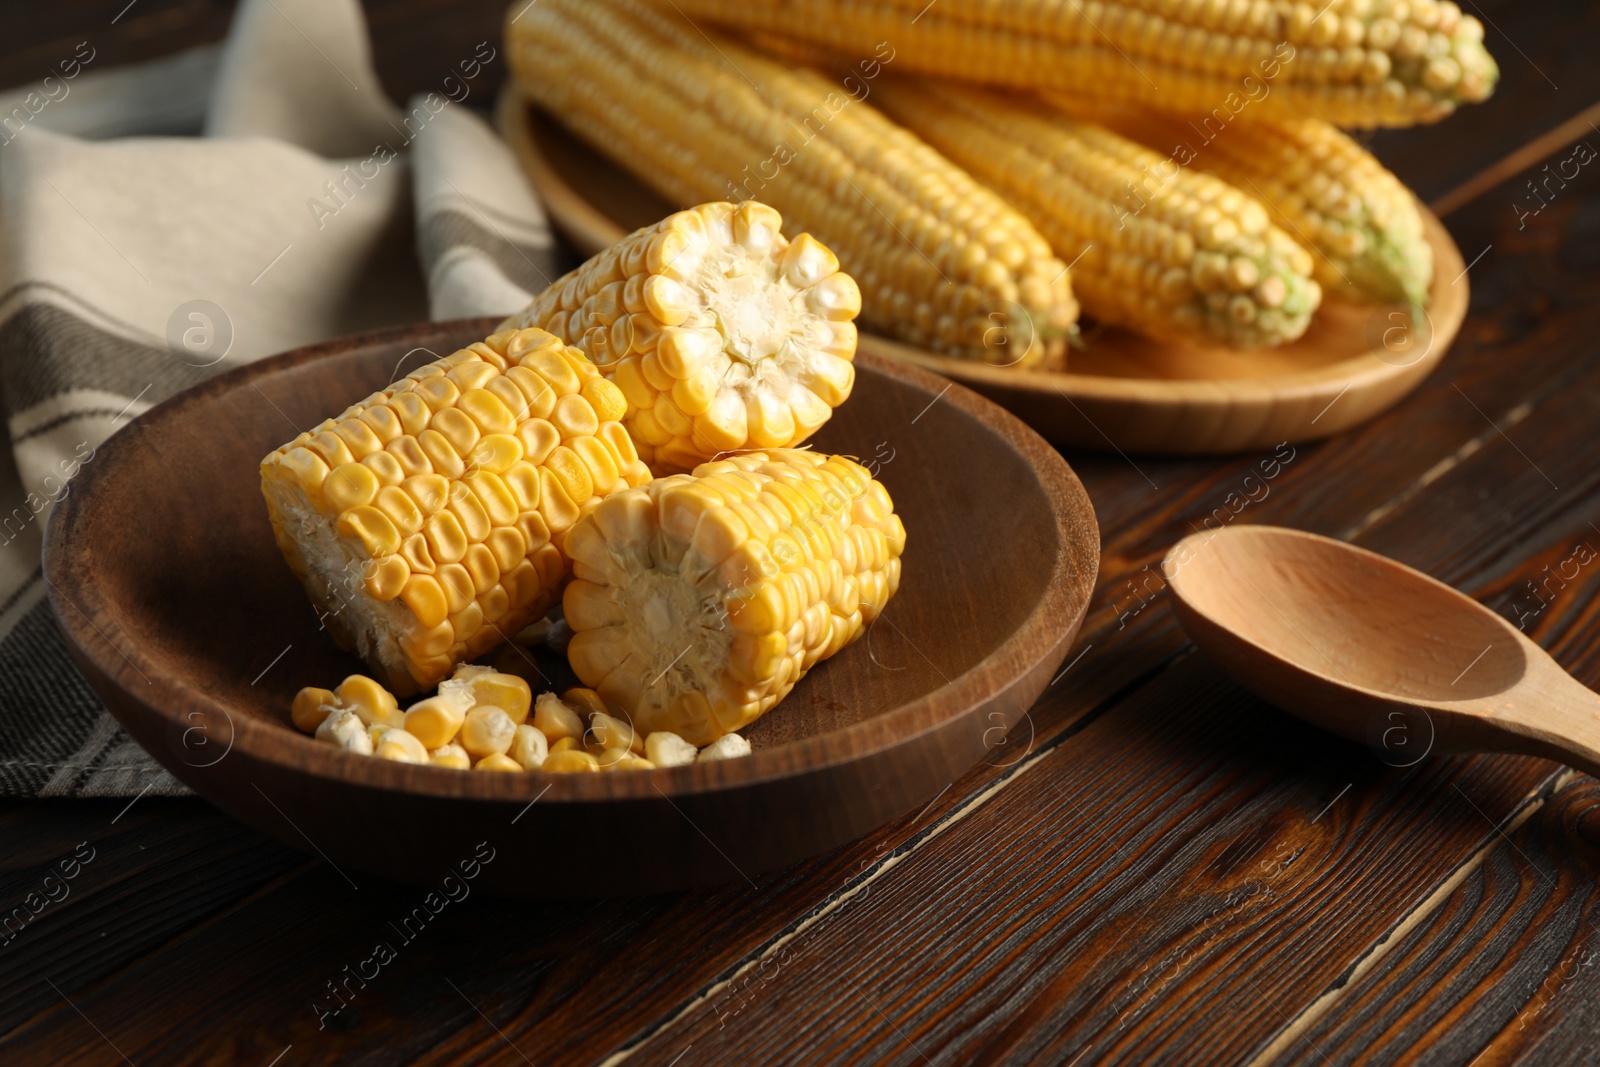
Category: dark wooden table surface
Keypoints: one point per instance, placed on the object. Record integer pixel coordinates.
(1154, 867)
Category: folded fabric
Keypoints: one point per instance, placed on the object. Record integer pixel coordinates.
(308, 206)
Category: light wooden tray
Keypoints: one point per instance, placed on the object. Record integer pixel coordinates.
(1124, 391)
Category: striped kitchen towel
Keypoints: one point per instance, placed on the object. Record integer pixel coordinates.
(164, 222)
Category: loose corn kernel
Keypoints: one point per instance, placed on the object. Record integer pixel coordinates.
(555, 720)
(728, 746)
(529, 748)
(505, 691)
(408, 520)
(565, 744)
(453, 756)
(312, 705)
(586, 702)
(666, 749)
(627, 761)
(371, 702)
(497, 761)
(401, 746)
(608, 758)
(434, 721)
(344, 729)
(611, 732)
(569, 760)
(487, 730)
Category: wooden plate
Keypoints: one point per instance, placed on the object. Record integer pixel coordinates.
(179, 609)
(1125, 391)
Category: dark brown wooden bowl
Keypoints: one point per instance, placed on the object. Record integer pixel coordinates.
(187, 622)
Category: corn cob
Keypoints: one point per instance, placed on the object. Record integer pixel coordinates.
(942, 262)
(720, 333)
(1323, 187)
(1351, 62)
(426, 521)
(699, 600)
(1173, 254)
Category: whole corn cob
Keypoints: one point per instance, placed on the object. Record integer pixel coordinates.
(425, 522)
(1323, 187)
(720, 332)
(699, 600)
(1352, 62)
(1173, 254)
(942, 261)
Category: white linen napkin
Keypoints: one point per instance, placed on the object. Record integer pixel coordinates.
(297, 204)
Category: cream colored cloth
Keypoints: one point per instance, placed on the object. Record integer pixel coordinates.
(137, 263)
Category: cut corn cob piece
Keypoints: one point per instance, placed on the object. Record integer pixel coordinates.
(721, 333)
(699, 600)
(426, 522)
(1351, 62)
(941, 261)
(1321, 186)
(1174, 254)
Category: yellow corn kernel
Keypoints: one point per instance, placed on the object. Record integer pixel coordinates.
(555, 720)
(371, 702)
(497, 761)
(386, 578)
(452, 756)
(311, 706)
(401, 746)
(586, 702)
(504, 691)
(666, 749)
(565, 744)
(487, 730)
(529, 748)
(566, 761)
(611, 732)
(434, 721)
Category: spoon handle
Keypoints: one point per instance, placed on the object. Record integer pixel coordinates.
(1551, 714)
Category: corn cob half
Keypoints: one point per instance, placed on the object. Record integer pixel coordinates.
(1170, 253)
(942, 262)
(1323, 187)
(426, 521)
(720, 332)
(699, 600)
(1351, 62)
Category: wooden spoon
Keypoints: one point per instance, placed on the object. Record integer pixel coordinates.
(1374, 651)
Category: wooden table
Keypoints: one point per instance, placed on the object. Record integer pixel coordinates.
(1154, 867)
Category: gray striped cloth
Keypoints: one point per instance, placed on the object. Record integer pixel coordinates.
(165, 222)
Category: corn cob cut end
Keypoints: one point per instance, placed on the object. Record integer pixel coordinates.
(699, 600)
(721, 333)
(426, 522)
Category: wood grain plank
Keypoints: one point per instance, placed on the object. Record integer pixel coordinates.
(1502, 972)
(144, 874)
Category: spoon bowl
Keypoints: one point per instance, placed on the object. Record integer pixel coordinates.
(1374, 651)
